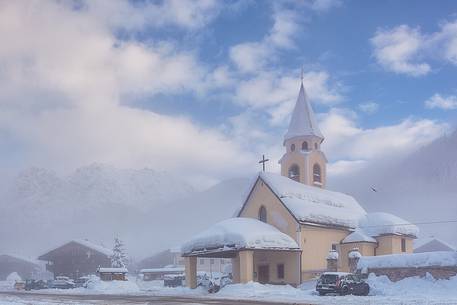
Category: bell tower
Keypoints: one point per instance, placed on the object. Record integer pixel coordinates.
(303, 160)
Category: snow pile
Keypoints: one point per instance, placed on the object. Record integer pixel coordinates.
(358, 236)
(316, 205)
(332, 254)
(413, 286)
(239, 233)
(13, 277)
(354, 253)
(426, 259)
(375, 224)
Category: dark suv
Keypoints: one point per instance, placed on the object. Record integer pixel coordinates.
(341, 283)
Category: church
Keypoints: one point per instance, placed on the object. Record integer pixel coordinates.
(290, 225)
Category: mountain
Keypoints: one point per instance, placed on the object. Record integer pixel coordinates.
(421, 187)
(149, 210)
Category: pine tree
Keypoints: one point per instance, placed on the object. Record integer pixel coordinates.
(119, 257)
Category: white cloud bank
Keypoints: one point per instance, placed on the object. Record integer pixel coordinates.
(407, 50)
(63, 75)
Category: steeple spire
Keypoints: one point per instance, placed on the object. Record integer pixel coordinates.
(303, 121)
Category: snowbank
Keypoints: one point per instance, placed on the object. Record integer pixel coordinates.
(111, 287)
(239, 233)
(312, 204)
(413, 286)
(426, 259)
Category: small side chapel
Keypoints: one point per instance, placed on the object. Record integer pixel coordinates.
(290, 225)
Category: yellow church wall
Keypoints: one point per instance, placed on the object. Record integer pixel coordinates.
(316, 243)
(290, 260)
(391, 244)
(366, 249)
(277, 215)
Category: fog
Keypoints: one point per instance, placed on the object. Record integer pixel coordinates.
(152, 211)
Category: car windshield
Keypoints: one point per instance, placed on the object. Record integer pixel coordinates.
(329, 278)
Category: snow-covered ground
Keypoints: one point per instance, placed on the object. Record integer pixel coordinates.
(410, 291)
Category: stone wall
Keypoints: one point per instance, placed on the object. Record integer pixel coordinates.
(396, 274)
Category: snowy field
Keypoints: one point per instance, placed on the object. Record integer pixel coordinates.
(411, 291)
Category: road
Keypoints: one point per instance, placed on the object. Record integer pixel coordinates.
(17, 298)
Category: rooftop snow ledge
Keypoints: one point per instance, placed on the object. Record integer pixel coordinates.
(376, 224)
(239, 233)
(413, 260)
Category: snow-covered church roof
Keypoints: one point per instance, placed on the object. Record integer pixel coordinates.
(313, 204)
(236, 234)
(376, 224)
(303, 121)
(358, 236)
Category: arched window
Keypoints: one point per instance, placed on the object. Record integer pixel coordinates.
(304, 146)
(315, 146)
(263, 214)
(292, 147)
(294, 172)
(317, 177)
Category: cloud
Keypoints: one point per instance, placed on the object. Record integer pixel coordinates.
(441, 102)
(398, 49)
(64, 78)
(347, 141)
(407, 50)
(325, 5)
(369, 107)
(276, 93)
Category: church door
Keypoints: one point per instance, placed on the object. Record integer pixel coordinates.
(264, 274)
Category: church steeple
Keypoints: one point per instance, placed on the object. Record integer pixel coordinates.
(303, 121)
(304, 161)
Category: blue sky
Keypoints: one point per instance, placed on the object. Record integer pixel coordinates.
(206, 87)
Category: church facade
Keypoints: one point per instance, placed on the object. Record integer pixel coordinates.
(292, 223)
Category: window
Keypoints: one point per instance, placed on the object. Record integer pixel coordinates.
(315, 146)
(263, 214)
(334, 247)
(211, 261)
(280, 270)
(304, 146)
(403, 245)
(294, 172)
(292, 147)
(202, 261)
(317, 173)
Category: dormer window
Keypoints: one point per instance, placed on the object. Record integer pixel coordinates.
(292, 147)
(304, 146)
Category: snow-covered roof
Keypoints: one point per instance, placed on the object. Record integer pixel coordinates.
(82, 242)
(162, 270)
(239, 233)
(430, 244)
(112, 270)
(376, 224)
(93, 246)
(427, 259)
(303, 121)
(358, 236)
(313, 204)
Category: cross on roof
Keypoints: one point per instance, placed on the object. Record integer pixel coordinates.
(263, 161)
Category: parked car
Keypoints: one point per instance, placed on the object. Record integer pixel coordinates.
(173, 280)
(341, 283)
(62, 282)
(81, 282)
(35, 285)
